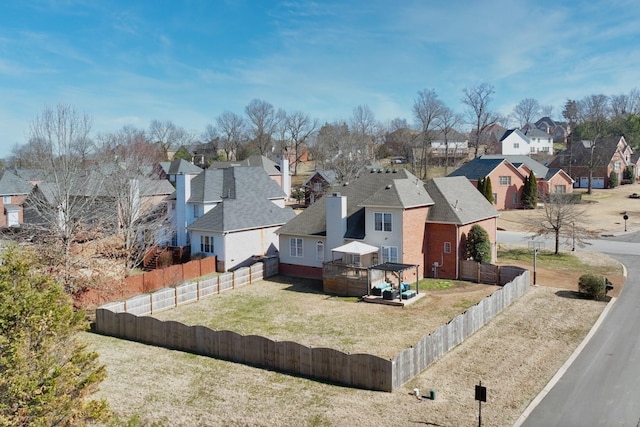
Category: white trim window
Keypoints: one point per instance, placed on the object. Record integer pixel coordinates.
(319, 250)
(382, 221)
(6, 200)
(195, 211)
(389, 254)
(206, 244)
(505, 180)
(295, 247)
(447, 247)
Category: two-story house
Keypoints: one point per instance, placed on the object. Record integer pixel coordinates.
(598, 160)
(395, 218)
(230, 213)
(14, 190)
(317, 184)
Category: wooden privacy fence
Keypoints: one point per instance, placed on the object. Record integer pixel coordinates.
(488, 273)
(355, 370)
(167, 298)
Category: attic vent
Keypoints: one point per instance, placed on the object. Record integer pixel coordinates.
(394, 171)
(336, 194)
(388, 171)
(379, 170)
(388, 187)
(345, 184)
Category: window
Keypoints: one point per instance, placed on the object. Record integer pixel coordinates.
(296, 247)
(317, 186)
(319, 250)
(6, 200)
(389, 254)
(515, 199)
(195, 211)
(382, 221)
(560, 189)
(533, 149)
(545, 149)
(616, 167)
(505, 180)
(447, 247)
(516, 145)
(355, 260)
(206, 244)
(495, 198)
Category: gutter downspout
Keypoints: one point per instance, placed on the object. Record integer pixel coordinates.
(457, 251)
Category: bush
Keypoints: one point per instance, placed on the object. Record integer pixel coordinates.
(165, 260)
(592, 285)
(478, 244)
(613, 180)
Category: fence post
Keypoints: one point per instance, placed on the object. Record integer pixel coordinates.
(218, 277)
(175, 296)
(198, 290)
(233, 279)
(151, 302)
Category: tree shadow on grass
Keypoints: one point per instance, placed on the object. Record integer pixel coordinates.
(307, 286)
(578, 295)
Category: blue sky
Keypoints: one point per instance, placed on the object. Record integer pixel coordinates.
(129, 62)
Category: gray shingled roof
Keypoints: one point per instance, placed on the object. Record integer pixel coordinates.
(328, 175)
(244, 195)
(13, 185)
(538, 168)
(271, 167)
(457, 201)
(479, 167)
(360, 192)
(177, 166)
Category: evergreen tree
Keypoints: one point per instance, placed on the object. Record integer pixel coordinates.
(481, 185)
(488, 190)
(46, 375)
(478, 244)
(530, 192)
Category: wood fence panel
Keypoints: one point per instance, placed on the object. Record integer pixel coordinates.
(225, 281)
(207, 265)
(163, 299)
(153, 280)
(230, 346)
(208, 286)
(191, 270)
(187, 292)
(256, 272)
(242, 277)
(139, 305)
(172, 275)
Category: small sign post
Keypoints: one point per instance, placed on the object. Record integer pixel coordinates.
(536, 246)
(481, 396)
(625, 217)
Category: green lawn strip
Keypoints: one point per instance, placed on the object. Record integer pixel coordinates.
(549, 260)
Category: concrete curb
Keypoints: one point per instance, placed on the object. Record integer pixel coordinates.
(547, 388)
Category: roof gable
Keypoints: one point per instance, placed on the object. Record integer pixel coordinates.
(457, 201)
(11, 184)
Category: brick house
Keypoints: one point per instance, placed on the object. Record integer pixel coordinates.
(398, 219)
(14, 191)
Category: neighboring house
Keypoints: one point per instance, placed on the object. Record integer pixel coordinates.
(317, 184)
(559, 131)
(14, 191)
(231, 213)
(280, 173)
(506, 180)
(610, 155)
(169, 170)
(508, 142)
(550, 180)
(385, 218)
(539, 141)
(453, 146)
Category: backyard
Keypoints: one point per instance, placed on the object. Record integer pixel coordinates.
(514, 356)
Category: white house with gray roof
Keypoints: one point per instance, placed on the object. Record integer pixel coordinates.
(230, 213)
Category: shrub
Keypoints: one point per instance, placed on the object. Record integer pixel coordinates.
(613, 180)
(165, 260)
(592, 285)
(478, 244)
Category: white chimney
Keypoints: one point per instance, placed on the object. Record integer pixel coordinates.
(286, 176)
(183, 193)
(336, 216)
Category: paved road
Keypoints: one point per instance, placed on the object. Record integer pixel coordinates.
(602, 386)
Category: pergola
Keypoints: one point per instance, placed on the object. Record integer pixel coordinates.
(395, 268)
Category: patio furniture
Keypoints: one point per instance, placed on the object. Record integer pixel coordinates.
(391, 294)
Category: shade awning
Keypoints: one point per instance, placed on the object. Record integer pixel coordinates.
(356, 248)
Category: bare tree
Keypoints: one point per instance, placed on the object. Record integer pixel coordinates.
(232, 129)
(546, 110)
(449, 120)
(526, 110)
(593, 114)
(479, 115)
(134, 214)
(299, 128)
(62, 206)
(364, 130)
(263, 121)
(337, 149)
(168, 136)
(561, 217)
(427, 111)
